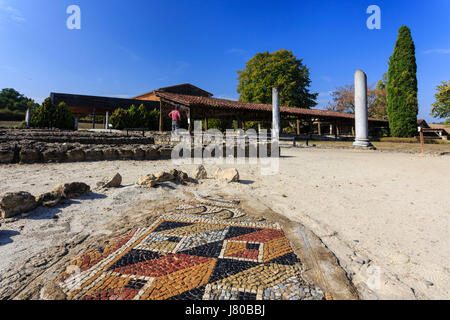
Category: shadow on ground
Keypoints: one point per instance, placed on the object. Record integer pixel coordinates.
(6, 236)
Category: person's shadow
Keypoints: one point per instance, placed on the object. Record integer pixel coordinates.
(6, 236)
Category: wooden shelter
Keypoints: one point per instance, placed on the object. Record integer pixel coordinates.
(195, 103)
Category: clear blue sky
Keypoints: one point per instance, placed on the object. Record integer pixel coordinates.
(126, 48)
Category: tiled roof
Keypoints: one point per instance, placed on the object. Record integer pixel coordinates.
(237, 105)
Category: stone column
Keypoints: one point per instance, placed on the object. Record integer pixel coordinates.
(361, 118)
(27, 117)
(75, 126)
(275, 113)
(107, 120)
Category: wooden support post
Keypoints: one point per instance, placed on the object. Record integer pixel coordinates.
(319, 129)
(206, 124)
(353, 131)
(160, 117)
(335, 130)
(298, 127)
(243, 125)
(93, 118)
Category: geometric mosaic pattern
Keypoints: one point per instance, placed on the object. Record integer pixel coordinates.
(206, 250)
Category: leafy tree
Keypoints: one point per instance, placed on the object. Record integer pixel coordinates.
(153, 120)
(63, 118)
(50, 116)
(441, 108)
(220, 124)
(378, 108)
(13, 105)
(119, 119)
(278, 69)
(136, 118)
(402, 103)
(343, 99)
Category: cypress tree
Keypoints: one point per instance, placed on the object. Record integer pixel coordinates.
(402, 104)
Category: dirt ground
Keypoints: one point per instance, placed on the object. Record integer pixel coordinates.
(385, 215)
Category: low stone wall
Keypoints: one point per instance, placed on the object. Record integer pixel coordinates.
(82, 137)
(40, 152)
(36, 152)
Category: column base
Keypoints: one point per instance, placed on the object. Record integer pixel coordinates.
(363, 143)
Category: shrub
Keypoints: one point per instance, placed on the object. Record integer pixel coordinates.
(50, 116)
(119, 119)
(137, 118)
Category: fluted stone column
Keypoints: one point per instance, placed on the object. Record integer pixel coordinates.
(361, 118)
(275, 113)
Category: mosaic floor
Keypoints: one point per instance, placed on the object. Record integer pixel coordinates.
(205, 250)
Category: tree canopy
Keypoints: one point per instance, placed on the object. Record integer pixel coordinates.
(279, 69)
(441, 108)
(13, 104)
(343, 99)
(402, 103)
(49, 115)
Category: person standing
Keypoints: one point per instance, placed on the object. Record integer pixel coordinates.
(176, 117)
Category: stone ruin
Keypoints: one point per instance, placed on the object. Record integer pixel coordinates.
(44, 146)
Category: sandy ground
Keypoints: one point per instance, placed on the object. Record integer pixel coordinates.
(381, 213)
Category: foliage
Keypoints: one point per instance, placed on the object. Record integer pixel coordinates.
(220, 124)
(49, 115)
(278, 69)
(402, 103)
(441, 108)
(136, 118)
(13, 105)
(119, 119)
(343, 99)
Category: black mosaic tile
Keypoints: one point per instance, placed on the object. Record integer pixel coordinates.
(210, 250)
(135, 284)
(288, 259)
(174, 239)
(252, 246)
(246, 296)
(135, 256)
(226, 267)
(167, 225)
(194, 294)
(239, 231)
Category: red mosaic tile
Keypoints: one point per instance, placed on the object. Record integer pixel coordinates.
(247, 254)
(162, 266)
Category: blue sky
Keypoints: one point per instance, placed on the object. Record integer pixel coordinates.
(126, 48)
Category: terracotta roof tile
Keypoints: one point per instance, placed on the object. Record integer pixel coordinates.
(229, 104)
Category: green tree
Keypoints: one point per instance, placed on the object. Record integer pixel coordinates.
(13, 105)
(119, 119)
(402, 103)
(153, 120)
(50, 116)
(441, 108)
(278, 69)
